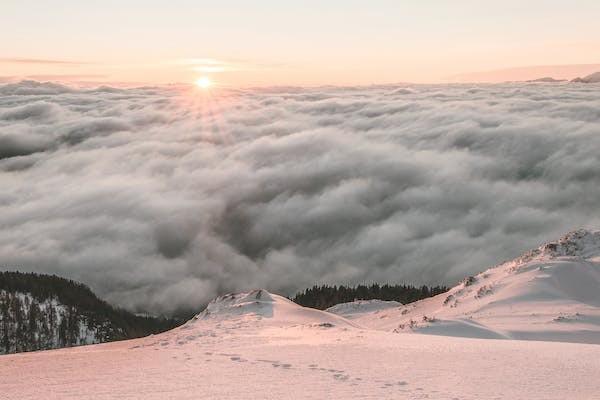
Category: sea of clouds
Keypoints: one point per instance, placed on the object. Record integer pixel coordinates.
(161, 198)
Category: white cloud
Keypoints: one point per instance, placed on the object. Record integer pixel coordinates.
(159, 200)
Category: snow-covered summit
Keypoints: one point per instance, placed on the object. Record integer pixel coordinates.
(580, 243)
(261, 308)
(257, 302)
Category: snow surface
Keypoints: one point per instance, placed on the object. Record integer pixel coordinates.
(262, 346)
(551, 293)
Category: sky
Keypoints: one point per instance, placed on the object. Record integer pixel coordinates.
(239, 43)
(308, 160)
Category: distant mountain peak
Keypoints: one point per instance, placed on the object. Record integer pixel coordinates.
(582, 243)
(592, 78)
(547, 79)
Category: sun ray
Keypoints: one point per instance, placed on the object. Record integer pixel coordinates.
(203, 82)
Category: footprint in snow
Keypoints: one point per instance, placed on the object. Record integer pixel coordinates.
(285, 366)
(268, 361)
(341, 377)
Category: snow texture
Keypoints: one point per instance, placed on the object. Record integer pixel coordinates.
(263, 346)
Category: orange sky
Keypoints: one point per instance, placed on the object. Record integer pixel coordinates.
(267, 42)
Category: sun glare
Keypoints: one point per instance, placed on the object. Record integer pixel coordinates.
(203, 83)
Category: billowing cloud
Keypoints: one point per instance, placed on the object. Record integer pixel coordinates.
(162, 198)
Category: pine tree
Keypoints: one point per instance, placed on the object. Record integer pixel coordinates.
(325, 296)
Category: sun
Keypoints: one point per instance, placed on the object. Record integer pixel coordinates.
(204, 82)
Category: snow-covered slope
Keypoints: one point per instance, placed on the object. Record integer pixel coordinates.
(32, 324)
(550, 293)
(261, 346)
(41, 312)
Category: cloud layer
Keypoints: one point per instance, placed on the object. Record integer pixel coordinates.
(162, 198)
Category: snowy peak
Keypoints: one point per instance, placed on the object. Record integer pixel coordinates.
(592, 78)
(580, 243)
(257, 302)
(259, 308)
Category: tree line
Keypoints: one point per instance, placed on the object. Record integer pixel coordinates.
(325, 296)
(45, 311)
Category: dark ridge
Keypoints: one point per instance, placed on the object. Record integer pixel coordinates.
(325, 296)
(28, 323)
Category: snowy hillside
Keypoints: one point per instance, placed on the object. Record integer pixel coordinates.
(550, 293)
(261, 346)
(39, 312)
(29, 324)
